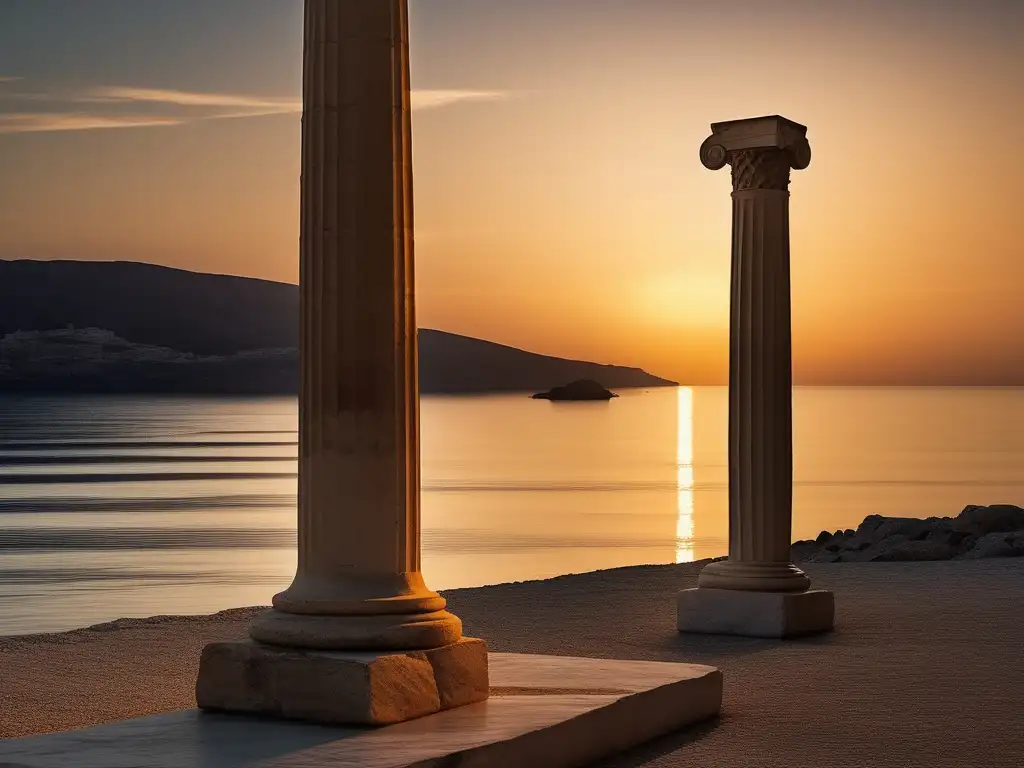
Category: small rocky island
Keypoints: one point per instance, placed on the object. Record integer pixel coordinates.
(977, 532)
(582, 389)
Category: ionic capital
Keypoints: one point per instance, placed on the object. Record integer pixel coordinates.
(761, 151)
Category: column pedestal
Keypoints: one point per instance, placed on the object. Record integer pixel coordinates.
(357, 638)
(341, 687)
(754, 614)
(758, 591)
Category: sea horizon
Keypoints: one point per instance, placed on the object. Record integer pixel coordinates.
(129, 506)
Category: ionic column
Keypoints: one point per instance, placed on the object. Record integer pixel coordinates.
(757, 591)
(358, 583)
(761, 153)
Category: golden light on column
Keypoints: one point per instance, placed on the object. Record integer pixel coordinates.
(341, 643)
(758, 591)
(684, 476)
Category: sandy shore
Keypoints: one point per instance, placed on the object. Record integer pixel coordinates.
(923, 670)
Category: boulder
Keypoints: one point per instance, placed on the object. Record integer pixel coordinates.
(872, 530)
(914, 528)
(905, 551)
(977, 532)
(870, 524)
(881, 547)
(998, 544)
(802, 550)
(991, 519)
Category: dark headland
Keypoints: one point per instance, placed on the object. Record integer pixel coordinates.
(124, 327)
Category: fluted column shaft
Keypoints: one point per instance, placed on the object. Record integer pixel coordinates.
(760, 359)
(358, 500)
(760, 380)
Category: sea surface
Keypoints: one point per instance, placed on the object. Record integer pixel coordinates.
(136, 506)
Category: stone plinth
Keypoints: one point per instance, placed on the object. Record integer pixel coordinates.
(755, 614)
(341, 687)
(543, 711)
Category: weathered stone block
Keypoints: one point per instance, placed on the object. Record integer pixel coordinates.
(755, 614)
(337, 687)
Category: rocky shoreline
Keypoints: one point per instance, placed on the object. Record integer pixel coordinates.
(977, 532)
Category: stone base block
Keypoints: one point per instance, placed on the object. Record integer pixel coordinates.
(755, 614)
(341, 687)
(543, 711)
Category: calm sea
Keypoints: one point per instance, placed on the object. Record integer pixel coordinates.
(136, 506)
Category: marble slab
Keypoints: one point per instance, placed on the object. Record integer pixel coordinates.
(543, 712)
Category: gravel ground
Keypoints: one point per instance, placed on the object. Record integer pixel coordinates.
(924, 668)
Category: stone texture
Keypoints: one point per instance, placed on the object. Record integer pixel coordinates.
(550, 711)
(755, 614)
(997, 544)
(384, 631)
(977, 532)
(761, 152)
(341, 687)
(980, 520)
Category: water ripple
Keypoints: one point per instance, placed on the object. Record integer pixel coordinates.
(99, 459)
(49, 445)
(91, 505)
(67, 478)
(105, 539)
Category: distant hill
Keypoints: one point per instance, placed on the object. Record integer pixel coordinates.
(127, 327)
(147, 304)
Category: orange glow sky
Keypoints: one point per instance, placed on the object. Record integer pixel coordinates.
(561, 206)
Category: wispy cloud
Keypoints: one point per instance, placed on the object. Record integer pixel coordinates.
(44, 122)
(435, 99)
(162, 107)
(421, 99)
(117, 94)
(9, 79)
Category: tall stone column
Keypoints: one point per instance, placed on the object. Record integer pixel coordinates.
(358, 585)
(761, 153)
(358, 582)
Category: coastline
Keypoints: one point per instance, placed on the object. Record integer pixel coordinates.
(977, 533)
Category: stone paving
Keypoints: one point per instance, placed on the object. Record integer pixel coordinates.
(922, 670)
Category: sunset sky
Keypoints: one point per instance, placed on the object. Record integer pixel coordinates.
(561, 205)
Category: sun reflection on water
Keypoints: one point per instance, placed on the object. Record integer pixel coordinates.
(684, 476)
